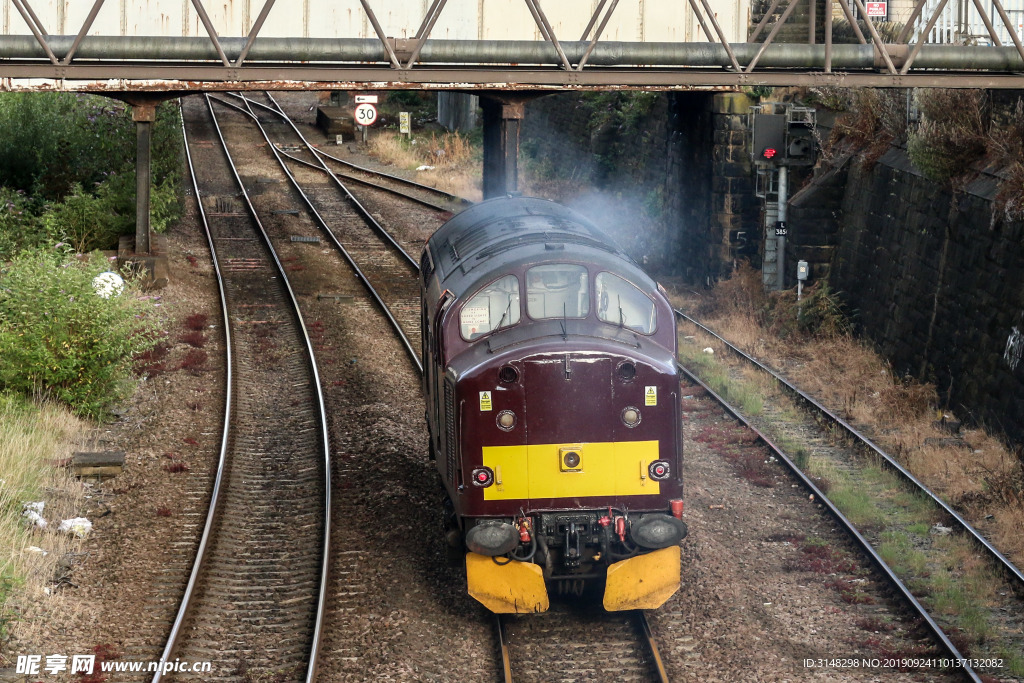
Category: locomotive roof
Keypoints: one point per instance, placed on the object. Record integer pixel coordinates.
(481, 232)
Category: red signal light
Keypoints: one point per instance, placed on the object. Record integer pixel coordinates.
(769, 152)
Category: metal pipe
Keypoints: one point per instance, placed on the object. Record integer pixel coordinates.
(165, 51)
(828, 36)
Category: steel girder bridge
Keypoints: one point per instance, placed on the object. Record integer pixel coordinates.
(236, 48)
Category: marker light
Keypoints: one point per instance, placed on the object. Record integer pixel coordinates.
(482, 477)
(769, 152)
(659, 470)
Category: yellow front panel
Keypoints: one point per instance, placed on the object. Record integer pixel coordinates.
(607, 469)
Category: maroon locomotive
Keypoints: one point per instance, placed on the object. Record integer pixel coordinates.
(553, 408)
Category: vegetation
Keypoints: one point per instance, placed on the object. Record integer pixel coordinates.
(952, 133)
(30, 436)
(67, 171)
(945, 572)
(59, 339)
(453, 159)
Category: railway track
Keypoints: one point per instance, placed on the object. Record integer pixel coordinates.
(550, 646)
(378, 259)
(628, 634)
(346, 170)
(887, 526)
(254, 601)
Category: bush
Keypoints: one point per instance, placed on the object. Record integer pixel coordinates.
(84, 221)
(20, 228)
(59, 339)
(952, 133)
(69, 160)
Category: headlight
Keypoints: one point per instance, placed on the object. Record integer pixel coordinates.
(506, 420)
(631, 416)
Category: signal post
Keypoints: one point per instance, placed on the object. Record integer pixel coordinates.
(782, 136)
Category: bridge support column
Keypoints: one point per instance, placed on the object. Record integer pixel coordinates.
(502, 116)
(144, 115)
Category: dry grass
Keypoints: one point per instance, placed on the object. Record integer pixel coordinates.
(31, 438)
(972, 470)
(452, 156)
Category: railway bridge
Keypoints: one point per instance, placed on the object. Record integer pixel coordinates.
(508, 51)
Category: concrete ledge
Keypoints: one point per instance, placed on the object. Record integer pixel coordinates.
(153, 267)
(335, 121)
(731, 103)
(97, 465)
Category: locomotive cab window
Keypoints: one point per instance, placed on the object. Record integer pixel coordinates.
(622, 303)
(493, 307)
(557, 290)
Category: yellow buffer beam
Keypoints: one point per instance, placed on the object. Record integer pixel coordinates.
(512, 588)
(614, 468)
(644, 581)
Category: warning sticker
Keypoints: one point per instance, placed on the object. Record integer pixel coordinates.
(485, 401)
(650, 396)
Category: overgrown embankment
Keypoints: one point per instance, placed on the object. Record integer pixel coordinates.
(67, 338)
(929, 242)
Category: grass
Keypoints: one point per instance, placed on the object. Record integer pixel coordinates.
(947, 573)
(452, 156)
(981, 477)
(30, 437)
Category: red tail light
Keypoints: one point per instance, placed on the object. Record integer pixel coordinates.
(482, 477)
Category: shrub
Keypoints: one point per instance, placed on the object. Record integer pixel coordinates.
(20, 228)
(84, 221)
(75, 156)
(58, 338)
(196, 321)
(952, 133)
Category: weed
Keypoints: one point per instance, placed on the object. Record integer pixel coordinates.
(952, 134)
(850, 592)
(818, 557)
(194, 361)
(875, 625)
(194, 338)
(150, 362)
(196, 321)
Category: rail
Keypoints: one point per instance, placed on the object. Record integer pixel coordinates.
(865, 545)
(867, 443)
(187, 600)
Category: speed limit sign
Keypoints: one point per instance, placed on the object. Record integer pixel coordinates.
(366, 114)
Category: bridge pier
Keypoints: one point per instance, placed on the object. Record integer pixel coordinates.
(147, 253)
(143, 115)
(503, 115)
